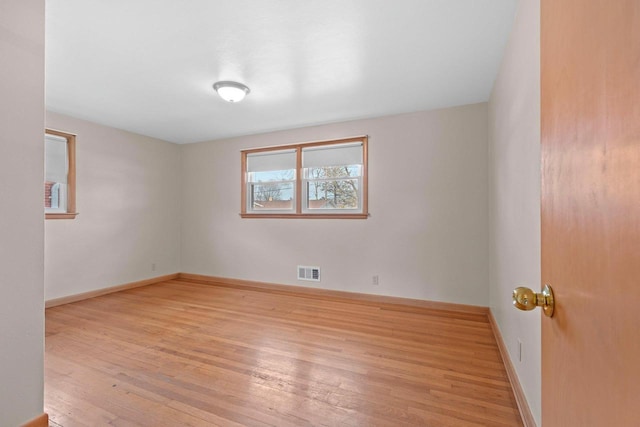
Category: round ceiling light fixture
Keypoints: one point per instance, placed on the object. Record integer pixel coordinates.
(231, 91)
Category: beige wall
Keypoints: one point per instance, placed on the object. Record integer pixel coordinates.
(514, 195)
(128, 197)
(21, 221)
(427, 234)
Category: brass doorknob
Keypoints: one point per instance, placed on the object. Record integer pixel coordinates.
(526, 299)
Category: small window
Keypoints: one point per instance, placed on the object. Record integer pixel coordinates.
(59, 175)
(325, 179)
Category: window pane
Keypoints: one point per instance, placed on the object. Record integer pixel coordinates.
(56, 169)
(332, 194)
(56, 159)
(271, 176)
(55, 197)
(333, 172)
(272, 196)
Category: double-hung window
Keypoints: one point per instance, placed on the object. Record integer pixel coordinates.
(332, 178)
(326, 179)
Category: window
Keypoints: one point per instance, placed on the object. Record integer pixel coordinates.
(325, 179)
(271, 181)
(59, 175)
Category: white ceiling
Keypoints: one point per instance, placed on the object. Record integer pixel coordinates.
(148, 66)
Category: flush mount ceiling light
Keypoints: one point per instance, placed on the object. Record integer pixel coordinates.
(231, 91)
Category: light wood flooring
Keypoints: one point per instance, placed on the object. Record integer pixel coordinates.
(188, 354)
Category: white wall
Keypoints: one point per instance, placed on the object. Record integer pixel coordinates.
(514, 195)
(128, 189)
(21, 221)
(427, 234)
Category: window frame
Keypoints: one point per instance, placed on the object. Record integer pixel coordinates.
(71, 176)
(299, 212)
(250, 183)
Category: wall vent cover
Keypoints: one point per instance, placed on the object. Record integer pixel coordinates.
(309, 273)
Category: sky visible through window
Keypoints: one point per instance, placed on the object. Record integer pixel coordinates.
(283, 189)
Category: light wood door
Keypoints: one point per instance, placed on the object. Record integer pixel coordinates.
(590, 70)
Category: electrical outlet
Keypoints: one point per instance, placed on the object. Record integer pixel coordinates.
(519, 350)
(375, 280)
(153, 266)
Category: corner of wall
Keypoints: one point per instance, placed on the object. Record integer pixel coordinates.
(514, 198)
(21, 227)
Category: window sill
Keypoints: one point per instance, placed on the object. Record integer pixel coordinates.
(306, 216)
(66, 215)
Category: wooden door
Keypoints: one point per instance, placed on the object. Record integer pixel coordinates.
(590, 71)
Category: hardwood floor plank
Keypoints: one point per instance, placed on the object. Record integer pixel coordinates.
(181, 353)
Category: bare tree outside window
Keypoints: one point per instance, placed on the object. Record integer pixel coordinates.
(274, 186)
(331, 184)
(268, 192)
